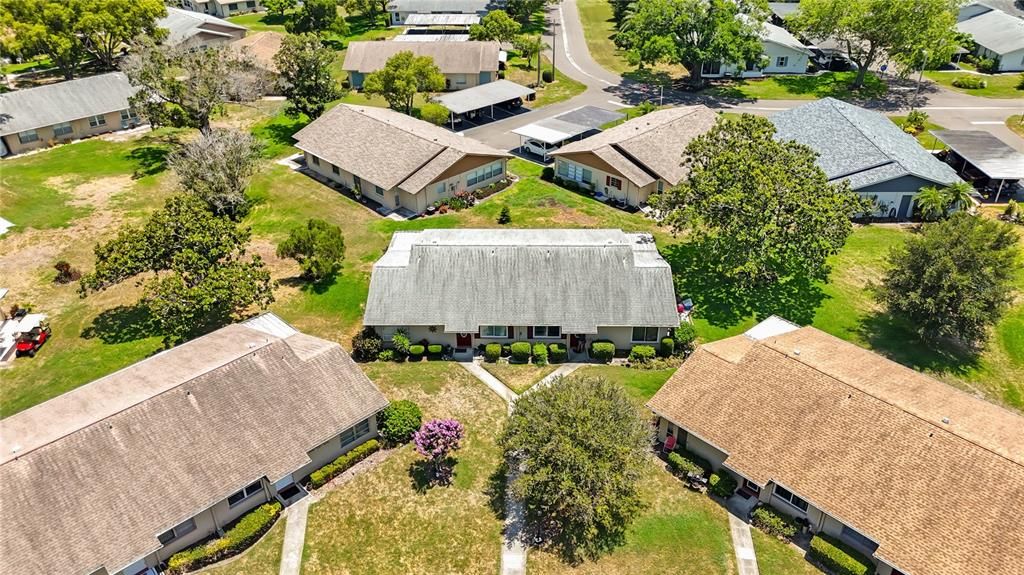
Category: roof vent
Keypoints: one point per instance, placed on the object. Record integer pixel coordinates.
(945, 420)
(251, 344)
(796, 352)
(15, 449)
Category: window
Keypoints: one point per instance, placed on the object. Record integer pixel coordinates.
(335, 170)
(379, 190)
(751, 486)
(711, 68)
(645, 334)
(790, 498)
(613, 182)
(316, 160)
(351, 434)
(180, 530)
(782, 61)
(129, 114)
(97, 121)
(550, 331)
(62, 129)
(858, 539)
(459, 78)
(440, 189)
(483, 173)
(574, 172)
(28, 136)
(661, 186)
(243, 494)
(363, 427)
(250, 4)
(499, 331)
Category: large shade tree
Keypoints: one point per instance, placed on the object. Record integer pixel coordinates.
(402, 77)
(763, 208)
(496, 25)
(581, 444)
(870, 30)
(304, 68)
(317, 16)
(217, 167)
(954, 279)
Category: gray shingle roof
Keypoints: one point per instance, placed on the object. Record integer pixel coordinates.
(387, 148)
(650, 146)
(577, 279)
(104, 469)
(64, 101)
(995, 30)
(451, 57)
(184, 24)
(782, 37)
(856, 144)
(443, 6)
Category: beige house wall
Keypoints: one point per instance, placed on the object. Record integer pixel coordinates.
(633, 195)
(621, 336)
(80, 128)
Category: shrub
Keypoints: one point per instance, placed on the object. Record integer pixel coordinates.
(492, 352)
(988, 65)
(685, 336)
(722, 484)
(397, 422)
(435, 349)
(521, 351)
(238, 538)
(668, 347)
(401, 343)
(548, 173)
(328, 472)
(773, 522)
(505, 217)
(602, 350)
(1012, 209)
(436, 114)
(540, 354)
(969, 82)
(1020, 84)
(386, 355)
(838, 557)
(547, 76)
(641, 353)
(366, 345)
(557, 353)
(65, 273)
(682, 461)
(416, 351)
(915, 121)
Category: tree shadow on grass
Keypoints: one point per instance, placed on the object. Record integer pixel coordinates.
(122, 324)
(896, 339)
(318, 287)
(419, 474)
(150, 160)
(496, 490)
(723, 303)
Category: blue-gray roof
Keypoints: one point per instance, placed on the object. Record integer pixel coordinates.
(859, 145)
(64, 102)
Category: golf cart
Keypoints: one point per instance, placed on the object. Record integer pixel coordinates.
(29, 342)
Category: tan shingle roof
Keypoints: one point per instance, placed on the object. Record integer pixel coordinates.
(451, 57)
(387, 148)
(263, 46)
(199, 422)
(648, 146)
(863, 439)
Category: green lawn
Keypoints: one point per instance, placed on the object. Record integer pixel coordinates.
(598, 30)
(561, 89)
(641, 384)
(999, 85)
(29, 65)
(679, 532)
(385, 521)
(263, 558)
(260, 21)
(777, 558)
(519, 377)
(829, 84)
(928, 141)
(1016, 124)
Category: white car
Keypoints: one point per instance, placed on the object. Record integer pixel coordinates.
(539, 148)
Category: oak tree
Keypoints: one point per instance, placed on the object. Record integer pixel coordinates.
(402, 77)
(304, 67)
(318, 246)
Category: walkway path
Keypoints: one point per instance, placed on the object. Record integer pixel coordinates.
(562, 371)
(492, 382)
(294, 536)
(743, 544)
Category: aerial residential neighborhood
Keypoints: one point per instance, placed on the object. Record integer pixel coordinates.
(510, 287)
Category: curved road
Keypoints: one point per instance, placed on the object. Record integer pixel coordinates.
(608, 90)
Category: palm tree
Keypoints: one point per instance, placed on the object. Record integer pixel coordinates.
(958, 196)
(933, 203)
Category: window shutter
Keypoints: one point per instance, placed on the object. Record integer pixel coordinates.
(607, 180)
(529, 332)
(511, 332)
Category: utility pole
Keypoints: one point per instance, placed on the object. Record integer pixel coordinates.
(554, 47)
(920, 77)
(540, 48)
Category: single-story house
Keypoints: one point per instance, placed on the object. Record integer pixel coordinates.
(222, 8)
(915, 474)
(467, 287)
(636, 158)
(71, 110)
(198, 30)
(783, 54)
(996, 35)
(866, 149)
(396, 160)
(116, 476)
(262, 47)
(399, 10)
(464, 64)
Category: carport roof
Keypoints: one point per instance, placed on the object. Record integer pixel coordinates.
(568, 124)
(442, 20)
(986, 152)
(483, 95)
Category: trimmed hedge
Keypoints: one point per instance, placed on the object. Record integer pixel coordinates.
(722, 484)
(557, 353)
(435, 349)
(838, 557)
(602, 350)
(641, 353)
(682, 461)
(540, 354)
(416, 351)
(668, 347)
(774, 523)
(521, 351)
(397, 422)
(969, 83)
(238, 538)
(328, 472)
(492, 352)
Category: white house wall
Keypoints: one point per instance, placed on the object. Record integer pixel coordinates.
(620, 336)
(796, 63)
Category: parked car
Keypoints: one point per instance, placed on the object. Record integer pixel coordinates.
(539, 148)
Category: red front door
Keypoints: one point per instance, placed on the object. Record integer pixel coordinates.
(463, 340)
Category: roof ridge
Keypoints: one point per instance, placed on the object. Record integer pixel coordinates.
(413, 129)
(886, 401)
(55, 84)
(842, 110)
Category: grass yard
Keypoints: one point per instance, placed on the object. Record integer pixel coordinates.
(384, 522)
(561, 89)
(1016, 124)
(999, 85)
(928, 141)
(263, 558)
(598, 30)
(260, 21)
(519, 377)
(29, 65)
(777, 558)
(641, 384)
(829, 84)
(680, 532)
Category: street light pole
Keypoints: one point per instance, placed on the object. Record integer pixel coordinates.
(554, 47)
(920, 77)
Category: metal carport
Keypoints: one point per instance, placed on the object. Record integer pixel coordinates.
(987, 153)
(442, 20)
(567, 125)
(483, 96)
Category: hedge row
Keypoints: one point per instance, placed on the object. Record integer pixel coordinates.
(641, 353)
(522, 351)
(328, 472)
(602, 350)
(722, 484)
(540, 354)
(773, 522)
(238, 538)
(682, 461)
(838, 557)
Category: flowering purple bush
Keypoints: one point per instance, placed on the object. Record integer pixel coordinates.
(435, 440)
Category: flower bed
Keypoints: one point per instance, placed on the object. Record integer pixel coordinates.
(328, 472)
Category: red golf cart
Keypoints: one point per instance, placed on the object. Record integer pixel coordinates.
(29, 342)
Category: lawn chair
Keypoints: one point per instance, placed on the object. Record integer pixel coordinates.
(669, 445)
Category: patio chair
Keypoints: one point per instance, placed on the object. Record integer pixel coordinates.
(669, 445)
